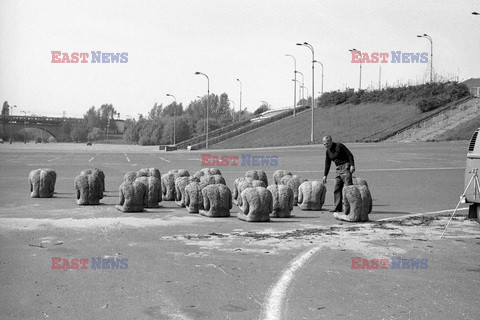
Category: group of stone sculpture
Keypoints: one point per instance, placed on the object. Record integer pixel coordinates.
(206, 193)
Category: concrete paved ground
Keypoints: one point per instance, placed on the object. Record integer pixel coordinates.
(184, 266)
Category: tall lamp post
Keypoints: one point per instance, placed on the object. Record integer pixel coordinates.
(308, 45)
(305, 88)
(360, 82)
(294, 85)
(25, 127)
(322, 72)
(11, 114)
(240, 108)
(303, 97)
(174, 116)
(431, 53)
(208, 100)
(233, 116)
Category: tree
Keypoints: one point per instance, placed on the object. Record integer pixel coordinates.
(79, 132)
(95, 134)
(263, 107)
(5, 109)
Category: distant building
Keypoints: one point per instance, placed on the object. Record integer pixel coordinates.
(474, 86)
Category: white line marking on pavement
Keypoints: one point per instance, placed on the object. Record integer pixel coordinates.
(420, 214)
(395, 169)
(93, 157)
(127, 157)
(276, 296)
(53, 159)
(165, 160)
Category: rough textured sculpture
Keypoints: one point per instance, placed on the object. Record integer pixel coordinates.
(357, 204)
(205, 171)
(150, 172)
(257, 175)
(359, 181)
(180, 184)
(247, 183)
(207, 179)
(154, 190)
(89, 188)
(168, 182)
(132, 197)
(130, 176)
(193, 197)
(279, 174)
(100, 173)
(42, 183)
(282, 201)
(293, 182)
(257, 204)
(235, 192)
(311, 195)
(217, 201)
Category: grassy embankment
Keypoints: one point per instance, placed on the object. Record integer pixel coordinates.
(356, 116)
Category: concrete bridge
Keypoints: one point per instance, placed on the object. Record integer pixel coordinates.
(44, 126)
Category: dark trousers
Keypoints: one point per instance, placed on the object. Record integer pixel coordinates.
(342, 178)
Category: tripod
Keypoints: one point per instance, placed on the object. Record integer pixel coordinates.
(476, 191)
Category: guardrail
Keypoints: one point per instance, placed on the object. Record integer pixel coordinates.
(248, 126)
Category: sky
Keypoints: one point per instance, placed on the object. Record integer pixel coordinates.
(168, 41)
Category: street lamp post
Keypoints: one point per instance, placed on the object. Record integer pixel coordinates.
(308, 45)
(305, 88)
(294, 85)
(322, 73)
(303, 97)
(25, 127)
(208, 100)
(431, 53)
(174, 116)
(360, 82)
(11, 114)
(233, 115)
(240, 108)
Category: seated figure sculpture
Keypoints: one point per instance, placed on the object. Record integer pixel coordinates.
(42, 183)
(100, 173)
(247, 183)
(257, 175)
(168, 182)
(206, 171)
(193, 197)
(150, 172)
(356, 203)
(180, 185)
(132, 197)
(293, 182)
(89, 188)
(282, 200)
(235, 193)
(257, 204)
(154, 190)
(311, 195)
(279, 174)
(130, 176)
(217, 201)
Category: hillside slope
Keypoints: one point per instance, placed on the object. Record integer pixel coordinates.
(346, 123)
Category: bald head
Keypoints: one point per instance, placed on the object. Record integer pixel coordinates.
(327, 142)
